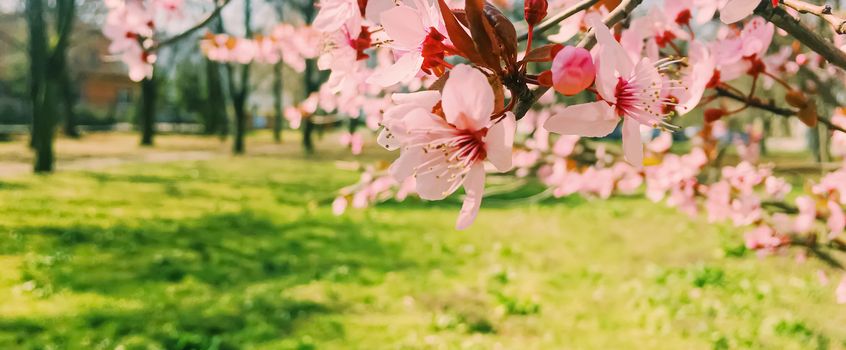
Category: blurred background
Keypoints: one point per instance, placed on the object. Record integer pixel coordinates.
(163, 233)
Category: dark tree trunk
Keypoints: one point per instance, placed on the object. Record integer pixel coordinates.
(68, 102)
(147, 113)
(217, 102)
(241, 95)
(277, 102)
(41, 138)
(312, 84)
(241, 117)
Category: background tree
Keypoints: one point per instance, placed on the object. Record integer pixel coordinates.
(48, 71)
(239, 91)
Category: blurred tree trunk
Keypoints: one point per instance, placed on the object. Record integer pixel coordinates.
(68, 102)
(239, 103)
(47, 66)
(311, 85)
(277, 102)
(147, 112)
(219, 123)
(241, 94)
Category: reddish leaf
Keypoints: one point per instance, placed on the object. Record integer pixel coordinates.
(544, 53)
(796, 99)
(458, 36)
(499, 92)
(438, 85)
(545, 78)
(461, 16)
(483, 34)
(504, 30)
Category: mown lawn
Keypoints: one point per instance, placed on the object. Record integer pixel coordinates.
(244, 253)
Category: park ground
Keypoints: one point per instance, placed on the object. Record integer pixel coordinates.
(186, 247)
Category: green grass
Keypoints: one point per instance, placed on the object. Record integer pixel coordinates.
(244, 253)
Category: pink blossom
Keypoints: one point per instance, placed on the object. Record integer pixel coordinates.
(840, 292)
(660, 144)
(696, 78)
(628, 178)
(628, 91)
(565, 145)
(445, 152)
(598, 181)
(745, 176)
(354, 141)
(822, 277)
(411, 29)
(833, 185)
(736, 10)
(564, 181)
(339, 205)
(746, 209)
(718, 201)
(763, 239)
(335, 13)
(836, 219)
(838, 138)
(683, 197)
(807, 214)
(776, 187)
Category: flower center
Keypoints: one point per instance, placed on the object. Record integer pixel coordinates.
(363, 42)
(434, 50)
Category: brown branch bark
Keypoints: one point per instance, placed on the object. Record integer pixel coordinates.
(771, 107)
(807, 36)
(824, 12)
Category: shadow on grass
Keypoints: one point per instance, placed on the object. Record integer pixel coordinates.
(533, 193)
(217, 281)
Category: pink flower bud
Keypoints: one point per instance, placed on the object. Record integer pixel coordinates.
(572, 70)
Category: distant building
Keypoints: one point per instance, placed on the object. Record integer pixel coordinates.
(102, 87)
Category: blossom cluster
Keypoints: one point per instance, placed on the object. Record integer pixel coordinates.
(287, 43)
(130, 26)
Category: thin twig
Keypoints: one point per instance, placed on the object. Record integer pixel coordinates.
(771, 107)
(558, 18)
(822, 11)
(620, 13)
(219, 5)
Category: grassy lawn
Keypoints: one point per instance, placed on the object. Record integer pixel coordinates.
(244, 253)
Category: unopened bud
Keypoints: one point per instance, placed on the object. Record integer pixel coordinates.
(714, 114)
(808, 115)
(796, 99)
(534, 11)
(572, 70)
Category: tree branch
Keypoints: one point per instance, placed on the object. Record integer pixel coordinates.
(771, 107)
(809, 37)
(618, 14)
(558, 18)
(219, 5)
(824, 12)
